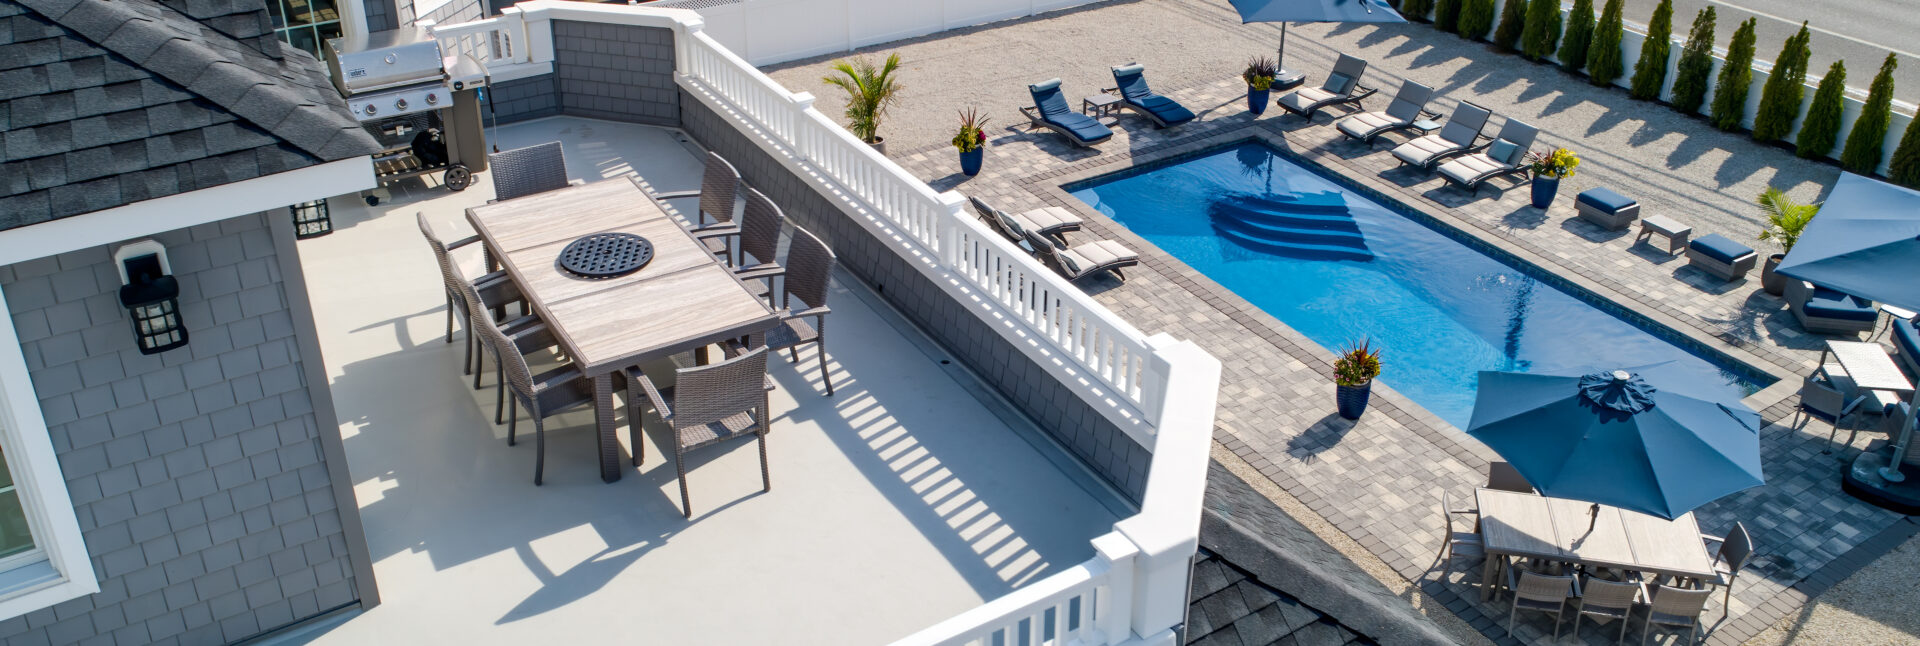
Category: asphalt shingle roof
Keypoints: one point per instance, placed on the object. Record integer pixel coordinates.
(1231, 607)
(106, 103)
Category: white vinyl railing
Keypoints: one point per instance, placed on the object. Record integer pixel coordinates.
(1161, 391)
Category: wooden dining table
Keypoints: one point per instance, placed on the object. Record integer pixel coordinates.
(1526, 525)
(683, 299)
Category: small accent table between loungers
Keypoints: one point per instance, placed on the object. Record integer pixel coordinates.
(1525, 526)
(1101, 107)
(682, 300)
(1868, 365)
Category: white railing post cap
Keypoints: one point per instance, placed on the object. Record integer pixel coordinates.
(952, 199)
(803, 99)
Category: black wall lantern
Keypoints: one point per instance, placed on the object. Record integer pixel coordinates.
(151, 295)
(311, 220)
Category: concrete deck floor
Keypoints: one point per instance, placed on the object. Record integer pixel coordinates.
(899, 501)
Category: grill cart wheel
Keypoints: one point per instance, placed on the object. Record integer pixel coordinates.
(457, 178)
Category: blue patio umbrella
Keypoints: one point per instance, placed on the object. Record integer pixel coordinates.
(1613, 439)
(1286, 11)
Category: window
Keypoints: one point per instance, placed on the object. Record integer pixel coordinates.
(306, 24)
(16, 537)
(43, 557)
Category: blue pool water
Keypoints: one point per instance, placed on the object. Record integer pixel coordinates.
(1338, 266)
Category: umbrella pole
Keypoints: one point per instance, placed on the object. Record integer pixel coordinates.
(1891, 472)
(1284, 78)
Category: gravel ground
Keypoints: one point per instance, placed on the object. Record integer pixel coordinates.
(1874, 606)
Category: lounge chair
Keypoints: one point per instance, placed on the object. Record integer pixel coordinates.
(1050, 111)
(1458, 136)
(1050, 221)
(1342, 86)
(1086, 259)
(1827, 311)
(1131, 82)
(1507, 155)
(1906, 344)
(1409, 105)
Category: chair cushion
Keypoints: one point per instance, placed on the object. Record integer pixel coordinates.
(1423, 149)
(1465, 169)
(1830, 304)
(1047, 218)
(1719, 247)
(1013, 225)
(1094, 254)
(1501, 150)
(1166, 109)
(1907, 338)
(1366, 123)
(1083, 127)
(1605, 200)
(1338, 83)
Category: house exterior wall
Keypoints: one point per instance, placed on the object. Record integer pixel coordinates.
(1060, 411)
(615, 72)
(522, 99)
(382, 15)
(199, 475)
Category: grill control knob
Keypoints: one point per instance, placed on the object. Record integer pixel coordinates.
(371, 109)
(433, 98)
(400, 104)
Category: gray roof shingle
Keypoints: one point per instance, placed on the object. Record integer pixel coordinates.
(107, 103)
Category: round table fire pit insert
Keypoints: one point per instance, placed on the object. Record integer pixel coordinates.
(606, 255)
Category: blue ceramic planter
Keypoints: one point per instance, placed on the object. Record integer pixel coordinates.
(970, 161)
(1544, 189)
(1257, 100)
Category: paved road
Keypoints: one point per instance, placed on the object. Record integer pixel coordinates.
(1860, 32)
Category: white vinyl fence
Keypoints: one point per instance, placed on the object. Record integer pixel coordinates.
(765, 32)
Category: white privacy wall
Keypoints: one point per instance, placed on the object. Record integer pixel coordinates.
(765, 32)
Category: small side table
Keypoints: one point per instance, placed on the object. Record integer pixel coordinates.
(1675, 232)
(1894, 313)
(1425, 126)
(1101, 106)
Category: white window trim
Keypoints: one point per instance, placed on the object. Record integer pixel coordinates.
(36, 474)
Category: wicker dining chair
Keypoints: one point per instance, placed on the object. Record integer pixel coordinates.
(1540, 593)
(719, 184)
(758, 237)
(549, 393)
(1502, 476)
(1735, 549)
(805, 282)
(1457, 544)
(1675, 608)
(707, 405)
(495, 289)
(525, 171)
(1606, 601)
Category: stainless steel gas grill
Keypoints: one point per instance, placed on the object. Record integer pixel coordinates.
(398, 85)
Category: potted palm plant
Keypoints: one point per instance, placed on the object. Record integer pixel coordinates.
(870, 90)
(971, 140)
(1786, 218)
(1548, 169)
(1353, 373)
(1259, 77)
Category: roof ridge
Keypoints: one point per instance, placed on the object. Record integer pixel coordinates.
(274, 103)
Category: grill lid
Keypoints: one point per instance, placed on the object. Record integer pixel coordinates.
(383, 60)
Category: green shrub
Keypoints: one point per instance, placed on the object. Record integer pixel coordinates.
(1736, 76)
(1905, 168)
(1416, 10)
(1446, 15)
(1862, 154)
(1650, 73)
(1821, 130)
(1543, 29)
(1603, 54)
(1476, 19)
(1786, 85)
(1696, 65)
(1573, 49)
(1513, 23)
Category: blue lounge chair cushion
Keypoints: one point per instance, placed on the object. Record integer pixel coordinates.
(1907, 337)
(1132, 80)
(1605, 200)
(1167, 109)
(1719, 247)
(1830, 304)
(1054, 110)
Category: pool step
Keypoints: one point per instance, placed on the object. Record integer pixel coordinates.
(1308, 220)
(1292, 249)
(1324, 202)
(1293, 233)
(1310, 228)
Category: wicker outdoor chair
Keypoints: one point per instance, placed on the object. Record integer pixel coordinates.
(544, 395)
(1675, 608)
(1085, 259)
(1409, 106)
(495, 289)
(707, 405)
(525, 171)
(1607, 601)
(1541, 593)
(1502, 476)
(758, 234)
(1342, 87)
(1736, 548)
(804, 284)
(1830, 399)
(1051, 221)
(1457, 544)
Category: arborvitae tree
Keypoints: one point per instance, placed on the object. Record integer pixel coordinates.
(1786, 85)
(1696, 65)
(1905, 167)
(1603, 54)
(1446, 15)
(1476, 19)
(1513, 23)
(1821, 130)
(1651, 72)
(1862, 154)
(1543, 29)
(1416, 10)
(1736, 76)
(1573, 49)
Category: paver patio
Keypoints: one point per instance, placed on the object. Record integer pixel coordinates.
(1379, 480)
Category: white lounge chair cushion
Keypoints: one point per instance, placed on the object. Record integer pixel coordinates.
(1303, 98)
(1424, 149)
(1360, 125)
(1047, 218)
(1464, 169)
(1085, 257)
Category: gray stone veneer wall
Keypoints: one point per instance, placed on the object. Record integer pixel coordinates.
(616, 72)
(198, 474)
(1030, 387)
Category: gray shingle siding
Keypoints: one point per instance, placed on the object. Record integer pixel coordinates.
(522, 99)
(615, 72)
(381, 14)
(198, 474)
(1055, 407)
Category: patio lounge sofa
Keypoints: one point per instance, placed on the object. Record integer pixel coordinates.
(1906, 345)
(1459, 136)
(1131, 84)
(1342, 86)
(1086, 259)
(1050, 111)
(1050, 221)
(1507, 155)
(1827, 311)
(1409, 105)
(1721, 256)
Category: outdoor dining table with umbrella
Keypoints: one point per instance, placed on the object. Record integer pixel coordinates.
(1866, 242)
(1286, 11)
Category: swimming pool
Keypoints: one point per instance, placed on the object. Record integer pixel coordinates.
(1337, 267)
